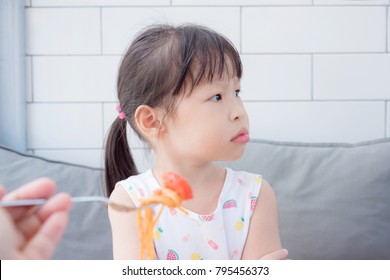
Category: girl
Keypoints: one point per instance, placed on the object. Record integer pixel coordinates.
(179, 89)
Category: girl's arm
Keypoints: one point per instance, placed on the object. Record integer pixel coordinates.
(125, 237)
(263, 236)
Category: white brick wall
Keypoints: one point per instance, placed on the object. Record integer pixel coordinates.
(314, 70)
(121, 24)
(52, 31)
(387, 120)
(74, 78)
(352, 77)
(313, 29)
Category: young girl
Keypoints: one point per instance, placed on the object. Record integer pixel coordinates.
(179, 89)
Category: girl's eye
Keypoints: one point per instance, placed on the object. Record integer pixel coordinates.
(216, 98)
(237, 93)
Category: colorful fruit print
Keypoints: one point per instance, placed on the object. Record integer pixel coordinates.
(213, 244)
(253, 203)
(186, 238)
(195, 256)
(172, 211)
(206, 218)
(172, 255)
(258, 180)
(135, 195)
(240, 224)
(157, 233)
(231, 203)
(141, 192)
(235, 253)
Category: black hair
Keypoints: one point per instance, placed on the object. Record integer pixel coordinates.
(162, 63)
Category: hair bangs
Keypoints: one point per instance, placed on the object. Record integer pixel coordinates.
(206, 56)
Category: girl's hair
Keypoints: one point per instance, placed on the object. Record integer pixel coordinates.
(160, 65)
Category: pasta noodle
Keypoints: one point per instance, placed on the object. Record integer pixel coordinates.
(174, 190)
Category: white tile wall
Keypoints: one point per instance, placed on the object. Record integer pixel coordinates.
(75, 78)
(121, 24)
(240, 2)
(317, 121)
(388, 28)
(28, 78)
(388, 119)
(62, 31)
(67, 3)
(350, 77)
(276, 77)
(313, 29)
(351, 2)
(65, 126)
(314, 70)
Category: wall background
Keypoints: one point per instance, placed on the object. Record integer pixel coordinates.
(314, 71)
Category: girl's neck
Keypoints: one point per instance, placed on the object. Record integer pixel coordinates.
(206, 181)
(195, 174)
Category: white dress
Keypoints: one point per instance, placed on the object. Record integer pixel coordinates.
(219, 235)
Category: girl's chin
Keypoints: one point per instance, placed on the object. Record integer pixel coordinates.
(234, 157)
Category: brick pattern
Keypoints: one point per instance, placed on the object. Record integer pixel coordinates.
(314, 70)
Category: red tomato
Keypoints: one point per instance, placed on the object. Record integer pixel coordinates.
(178, 184)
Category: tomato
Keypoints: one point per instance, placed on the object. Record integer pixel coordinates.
(178, 184)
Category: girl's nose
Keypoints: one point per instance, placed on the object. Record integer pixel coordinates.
(238, 111)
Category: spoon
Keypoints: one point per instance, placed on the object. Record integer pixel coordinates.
(102, 199)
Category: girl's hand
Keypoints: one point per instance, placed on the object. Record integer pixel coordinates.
(276, 255)
(34, 234)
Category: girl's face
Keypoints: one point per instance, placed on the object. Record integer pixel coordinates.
(210, 124)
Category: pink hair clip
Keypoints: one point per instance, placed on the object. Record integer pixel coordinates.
(121, 113)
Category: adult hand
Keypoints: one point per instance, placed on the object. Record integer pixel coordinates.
(33, 235)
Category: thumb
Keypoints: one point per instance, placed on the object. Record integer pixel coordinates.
(276, 255)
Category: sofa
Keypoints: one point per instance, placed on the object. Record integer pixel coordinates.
(333, 198)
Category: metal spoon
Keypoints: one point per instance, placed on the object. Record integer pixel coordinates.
(102, 199)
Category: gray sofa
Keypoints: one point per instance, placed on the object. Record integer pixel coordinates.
(333, 199)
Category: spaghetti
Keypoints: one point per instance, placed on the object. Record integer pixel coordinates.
(174, 190)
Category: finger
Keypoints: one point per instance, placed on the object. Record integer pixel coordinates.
(44, 188)
(276, 255)
(40, 188)
(29, 225)
(43, 244)
(59, 202)
(8, 236)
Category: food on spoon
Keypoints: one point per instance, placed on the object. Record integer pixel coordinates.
(175, 189)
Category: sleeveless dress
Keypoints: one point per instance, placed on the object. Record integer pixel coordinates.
(219, 235)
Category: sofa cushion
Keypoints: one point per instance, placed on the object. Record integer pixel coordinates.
(333, 199)
(88, 235)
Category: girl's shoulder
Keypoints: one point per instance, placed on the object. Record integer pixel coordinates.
(139, 186)
(244, 178)
(242, 185)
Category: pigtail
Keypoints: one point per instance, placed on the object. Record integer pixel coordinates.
(118, 160)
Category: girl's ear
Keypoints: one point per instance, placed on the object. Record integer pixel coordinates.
(149, 122)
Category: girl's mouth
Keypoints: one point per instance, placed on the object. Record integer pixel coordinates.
(241, 137)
